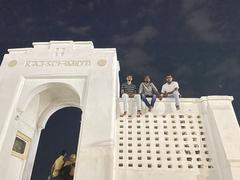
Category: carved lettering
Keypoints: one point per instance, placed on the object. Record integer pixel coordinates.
(70, 63)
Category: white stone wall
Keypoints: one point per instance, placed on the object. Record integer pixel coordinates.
(36, 82)
(185, 144)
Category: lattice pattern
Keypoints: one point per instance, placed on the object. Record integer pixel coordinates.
(173, 141)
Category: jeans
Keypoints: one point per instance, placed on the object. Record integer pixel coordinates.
(144, 98)
(137, 98)
(175, 95)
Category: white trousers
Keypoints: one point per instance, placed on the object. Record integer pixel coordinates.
(137, 98)
(175, 95)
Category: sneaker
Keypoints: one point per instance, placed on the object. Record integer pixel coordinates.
(150, 108)
(177, 107)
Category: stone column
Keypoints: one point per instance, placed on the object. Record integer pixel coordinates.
(226, 134)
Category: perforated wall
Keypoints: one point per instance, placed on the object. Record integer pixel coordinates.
(168, 141)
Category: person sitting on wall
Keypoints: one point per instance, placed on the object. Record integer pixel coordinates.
(129, 90)
(58, 164)
(170, 89)
(148, 89)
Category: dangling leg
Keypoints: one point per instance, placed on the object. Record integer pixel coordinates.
(138, 102)
(143, 96)
(125, 104)
(154, 97)
(176, 97)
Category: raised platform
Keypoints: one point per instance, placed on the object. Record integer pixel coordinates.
(175, 144)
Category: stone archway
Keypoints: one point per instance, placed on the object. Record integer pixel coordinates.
(60, 133)
(45, 102)
(37, 81)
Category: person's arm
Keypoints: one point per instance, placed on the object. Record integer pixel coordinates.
(155, 90)
(135, 89)
(163, 92)
(175, 89)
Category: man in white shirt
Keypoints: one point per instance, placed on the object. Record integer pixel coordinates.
(170, 89)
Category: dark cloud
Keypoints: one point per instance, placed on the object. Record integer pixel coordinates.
(226, 74)
(150, 9)
(208, 22)
(138, 38)
(227, 69)
(139, 62)
(198, 19)
(79, 30)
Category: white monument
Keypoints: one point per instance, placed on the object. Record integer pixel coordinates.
(200, 142)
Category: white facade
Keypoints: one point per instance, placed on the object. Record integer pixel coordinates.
(199, 142)
(36, 82)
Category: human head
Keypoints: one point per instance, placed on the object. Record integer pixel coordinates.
(129, 78)
(168, 78)
(147, 78)
(72, 158)
(63, 153)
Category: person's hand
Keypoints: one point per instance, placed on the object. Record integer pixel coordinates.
(131, 95)
(165, 94)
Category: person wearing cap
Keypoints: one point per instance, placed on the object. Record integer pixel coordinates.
(129, 90)
(171, 89)
(148, 90)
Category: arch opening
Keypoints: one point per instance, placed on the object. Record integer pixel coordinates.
(54, 99)
(61, 133)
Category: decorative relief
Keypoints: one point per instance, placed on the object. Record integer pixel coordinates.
(18, 115)
(102, 62)
(57, 63)
(21, 145)
(12, 63)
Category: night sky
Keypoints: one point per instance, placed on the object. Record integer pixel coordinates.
(196, 40)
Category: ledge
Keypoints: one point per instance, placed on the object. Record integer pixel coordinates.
(216, 97)
(18, 50)
(74, 44)
(203, 98)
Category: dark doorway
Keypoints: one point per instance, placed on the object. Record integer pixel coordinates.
(61, 133)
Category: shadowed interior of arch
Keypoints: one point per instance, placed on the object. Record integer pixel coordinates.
(61, 132)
